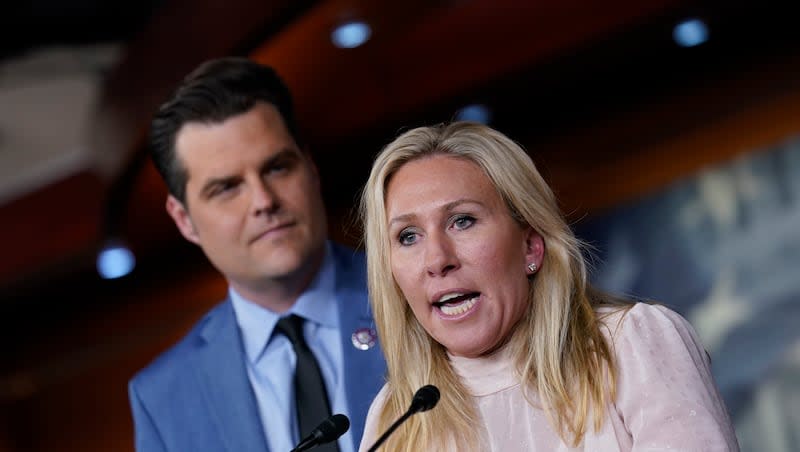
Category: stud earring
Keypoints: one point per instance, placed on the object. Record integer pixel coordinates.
(532, 267)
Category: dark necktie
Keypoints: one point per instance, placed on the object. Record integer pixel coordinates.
(309, 388)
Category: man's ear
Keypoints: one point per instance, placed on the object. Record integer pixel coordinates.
(182, 220)
(314, 169)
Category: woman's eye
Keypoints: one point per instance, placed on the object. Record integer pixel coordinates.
(407, 237)
(463, 221)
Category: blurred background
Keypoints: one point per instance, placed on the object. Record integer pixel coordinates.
(669, 129)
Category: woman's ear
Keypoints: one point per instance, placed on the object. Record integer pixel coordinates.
(534, 251)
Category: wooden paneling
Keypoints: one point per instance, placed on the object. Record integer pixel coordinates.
(625, 156)
(424, 53)
(73, 396)
(45, 229)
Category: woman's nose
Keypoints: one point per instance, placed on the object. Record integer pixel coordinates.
(440, 256)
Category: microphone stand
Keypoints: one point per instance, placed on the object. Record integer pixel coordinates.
(424, 399)
(390, 430)
(327, 431)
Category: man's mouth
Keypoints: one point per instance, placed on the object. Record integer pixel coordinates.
(272, 230)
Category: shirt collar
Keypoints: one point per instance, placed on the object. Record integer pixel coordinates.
(317, 304)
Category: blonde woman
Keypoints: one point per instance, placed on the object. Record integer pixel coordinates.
(479, 287)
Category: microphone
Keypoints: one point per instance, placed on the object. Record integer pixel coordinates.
(424, 399)
(329, 430)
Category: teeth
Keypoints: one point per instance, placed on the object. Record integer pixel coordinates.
(450, 296)
(459, 308)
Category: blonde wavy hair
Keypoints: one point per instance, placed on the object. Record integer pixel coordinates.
(558, 348)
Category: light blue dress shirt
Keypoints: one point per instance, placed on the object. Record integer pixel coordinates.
(271, 360)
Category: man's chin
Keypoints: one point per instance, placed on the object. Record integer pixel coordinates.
(281, 268)
(286, 265)
(287, 262)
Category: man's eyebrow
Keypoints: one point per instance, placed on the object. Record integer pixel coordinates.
(284, 154)
(211, 183)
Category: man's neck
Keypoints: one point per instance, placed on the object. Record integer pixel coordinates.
(280, 294)
(276, 298)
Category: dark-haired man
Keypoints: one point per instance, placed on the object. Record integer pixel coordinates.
(243, 188)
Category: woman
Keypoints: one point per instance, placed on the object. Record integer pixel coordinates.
(479, 287)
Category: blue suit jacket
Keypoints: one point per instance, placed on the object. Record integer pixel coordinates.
(197, 397)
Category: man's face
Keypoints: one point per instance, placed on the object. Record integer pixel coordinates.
(253, 201)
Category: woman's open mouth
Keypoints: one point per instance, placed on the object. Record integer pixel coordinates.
(454, 304)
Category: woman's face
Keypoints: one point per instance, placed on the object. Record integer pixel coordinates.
(457, 255)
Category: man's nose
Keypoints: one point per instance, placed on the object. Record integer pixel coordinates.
(264, 198)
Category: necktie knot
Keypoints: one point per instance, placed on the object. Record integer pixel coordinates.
(292, 327)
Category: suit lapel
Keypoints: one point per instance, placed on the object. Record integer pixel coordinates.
(225, 386)
(361, 366)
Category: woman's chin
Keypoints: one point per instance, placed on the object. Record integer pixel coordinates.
(470, 348)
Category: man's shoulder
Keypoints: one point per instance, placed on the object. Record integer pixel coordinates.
(347, 255)
(174, 362)
(351, 264)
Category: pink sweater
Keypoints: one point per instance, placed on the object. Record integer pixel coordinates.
(666, 396)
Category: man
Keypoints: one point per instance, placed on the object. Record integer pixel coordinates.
(243, 188)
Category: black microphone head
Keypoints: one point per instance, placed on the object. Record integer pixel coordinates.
(332, 428)
(424, 399)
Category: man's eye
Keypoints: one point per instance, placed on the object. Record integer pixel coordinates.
(279, 167)
(222, 188)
